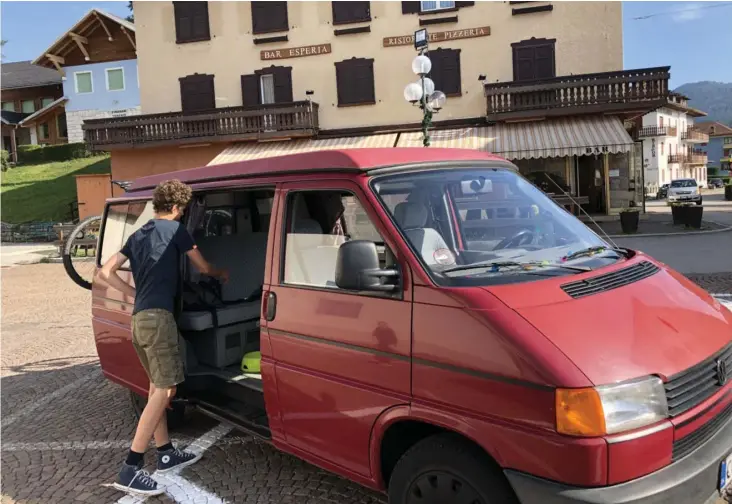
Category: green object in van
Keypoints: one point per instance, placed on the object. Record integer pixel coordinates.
(251, 362)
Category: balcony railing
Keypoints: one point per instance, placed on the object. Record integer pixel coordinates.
(285, 120)
(693, 157)
(656, 131)
(694, 135)
(624, 91)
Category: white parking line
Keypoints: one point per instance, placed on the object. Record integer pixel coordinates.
(11, 419)
(177, 487)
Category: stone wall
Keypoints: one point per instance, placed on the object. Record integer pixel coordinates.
(75, 119)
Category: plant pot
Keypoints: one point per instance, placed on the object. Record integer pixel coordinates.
(629, 222)
(677, 214)
(728, 192)
(693, 216)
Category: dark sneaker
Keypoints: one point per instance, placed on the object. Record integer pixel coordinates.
(135, 480)
(176, 459)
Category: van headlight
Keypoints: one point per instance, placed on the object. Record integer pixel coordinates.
(609, 409)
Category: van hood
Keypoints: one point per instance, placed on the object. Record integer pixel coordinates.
(662, 324)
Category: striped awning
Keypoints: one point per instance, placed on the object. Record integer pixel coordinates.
(536, 139)
(257, 150)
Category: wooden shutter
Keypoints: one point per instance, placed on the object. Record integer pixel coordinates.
(351, 12)
(464, 4)
(533, 59)
(282, 84)
(446, 71)
(191, 21)
(251, 95)
(197, 93)
(365, 92)
(268, 17)
(411, 7)
(355, 81)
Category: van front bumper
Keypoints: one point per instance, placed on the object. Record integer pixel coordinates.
(692, 480)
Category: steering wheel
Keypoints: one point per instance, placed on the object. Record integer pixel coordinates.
(523, 237)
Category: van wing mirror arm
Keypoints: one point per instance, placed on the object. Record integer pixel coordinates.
(391, 273)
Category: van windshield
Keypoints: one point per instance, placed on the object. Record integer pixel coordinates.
(488, 226)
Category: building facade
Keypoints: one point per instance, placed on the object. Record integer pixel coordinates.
(718, 148)
(27, 90)
(672, 144)
(537, 82)
(97, 62)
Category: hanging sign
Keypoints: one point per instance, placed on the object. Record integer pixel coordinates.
(296, 52)
(445, 36)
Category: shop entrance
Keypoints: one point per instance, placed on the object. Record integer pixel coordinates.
(591, 182)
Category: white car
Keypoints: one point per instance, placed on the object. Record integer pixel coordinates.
(684, 190)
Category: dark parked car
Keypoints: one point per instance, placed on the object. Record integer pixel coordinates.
(715, 183)
(662, 192)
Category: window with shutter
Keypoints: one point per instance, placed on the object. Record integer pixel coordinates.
(446, 71)
(355, 82)
(277, 80)
(197, 93)
(533, 59)
(191, 22)
(269, 17)
(351, 12)
(250, 92)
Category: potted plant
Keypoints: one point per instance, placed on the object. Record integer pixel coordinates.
(728, 191)
(629, 217)
(687, 214)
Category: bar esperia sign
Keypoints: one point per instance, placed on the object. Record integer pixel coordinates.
(445, 36)
(296, 52)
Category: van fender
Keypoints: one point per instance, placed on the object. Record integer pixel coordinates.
(428, 415)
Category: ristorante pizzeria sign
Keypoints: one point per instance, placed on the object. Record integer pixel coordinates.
(439, 36)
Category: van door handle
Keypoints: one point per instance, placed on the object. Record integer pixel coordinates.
(271, 307)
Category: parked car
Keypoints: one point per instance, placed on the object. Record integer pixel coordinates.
(716, 184)
(529, 361)
(662, 192)
(685, 191)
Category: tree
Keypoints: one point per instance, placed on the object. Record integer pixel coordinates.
(2, 44)
(131, 17)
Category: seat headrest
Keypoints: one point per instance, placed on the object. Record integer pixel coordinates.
(411, 215)
(306, 226)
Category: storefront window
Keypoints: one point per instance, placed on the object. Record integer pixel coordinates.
(548, 174)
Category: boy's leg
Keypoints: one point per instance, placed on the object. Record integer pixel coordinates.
(162, 438)
(152, 416)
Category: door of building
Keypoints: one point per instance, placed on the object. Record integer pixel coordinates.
(591, 182)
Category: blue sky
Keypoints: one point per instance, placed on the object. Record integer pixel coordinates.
(688, 36)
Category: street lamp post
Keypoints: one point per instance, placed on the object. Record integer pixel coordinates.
(423, 91)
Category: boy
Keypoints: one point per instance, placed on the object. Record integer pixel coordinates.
(154, 253)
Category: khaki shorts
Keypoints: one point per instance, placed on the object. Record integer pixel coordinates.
(155, 338)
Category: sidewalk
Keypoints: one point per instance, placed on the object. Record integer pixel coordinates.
(12, 254)
(654, 224)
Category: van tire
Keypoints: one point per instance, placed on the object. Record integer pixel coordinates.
(175, 414)
(443, 468)
(66, 255)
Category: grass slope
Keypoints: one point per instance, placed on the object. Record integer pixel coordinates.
(43, 192)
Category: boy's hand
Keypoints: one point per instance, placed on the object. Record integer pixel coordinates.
(223, 276)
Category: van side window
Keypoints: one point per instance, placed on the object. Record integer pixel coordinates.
(318, 223)
(122, 220)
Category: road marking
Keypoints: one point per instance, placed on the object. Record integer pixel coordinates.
(177, 487)
(11, 419)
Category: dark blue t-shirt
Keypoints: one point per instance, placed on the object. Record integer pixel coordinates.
(154, 252)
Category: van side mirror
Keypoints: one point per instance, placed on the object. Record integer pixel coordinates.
(357, 268)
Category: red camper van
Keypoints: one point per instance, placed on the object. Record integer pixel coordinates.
(433, 326)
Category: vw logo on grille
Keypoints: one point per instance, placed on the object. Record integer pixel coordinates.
(721, 371)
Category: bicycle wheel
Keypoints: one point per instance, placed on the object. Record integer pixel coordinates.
(80, 251)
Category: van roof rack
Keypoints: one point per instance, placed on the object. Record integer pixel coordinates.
(124, 184)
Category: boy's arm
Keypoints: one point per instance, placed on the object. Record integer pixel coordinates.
(108, 273)
(204, 267)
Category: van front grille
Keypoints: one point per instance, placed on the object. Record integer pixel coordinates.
(609, 281)
(686, 445)
(693, 386)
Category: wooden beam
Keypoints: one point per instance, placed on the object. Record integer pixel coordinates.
(129, 37)
(80, 41)
(57, 62)
(109, 34)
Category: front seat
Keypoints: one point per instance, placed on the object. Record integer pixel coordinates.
(412, 219)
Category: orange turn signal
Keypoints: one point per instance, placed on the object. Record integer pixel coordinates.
(580, 413)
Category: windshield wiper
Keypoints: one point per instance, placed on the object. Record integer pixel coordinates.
(593, 250)
(496, 266)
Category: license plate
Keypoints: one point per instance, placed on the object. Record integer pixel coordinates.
(725, 474)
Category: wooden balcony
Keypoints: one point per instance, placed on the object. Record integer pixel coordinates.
(625, 92)
(266, 122)
(656, 131)
(694, 135)
(688, 158)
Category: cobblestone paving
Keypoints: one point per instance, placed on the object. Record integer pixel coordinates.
(65, 429)
(718, 283)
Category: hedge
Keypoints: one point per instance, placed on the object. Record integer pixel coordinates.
(37, 154)
(4, 159)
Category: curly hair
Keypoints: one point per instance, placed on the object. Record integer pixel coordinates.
(169, 194)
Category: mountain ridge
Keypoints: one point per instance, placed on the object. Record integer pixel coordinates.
(714, 98)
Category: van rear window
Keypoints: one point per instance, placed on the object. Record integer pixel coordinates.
(123, 219)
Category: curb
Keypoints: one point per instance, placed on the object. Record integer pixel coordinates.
(686, 233)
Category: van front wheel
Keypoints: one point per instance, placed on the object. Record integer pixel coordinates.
(175, 414)
(445, 468)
